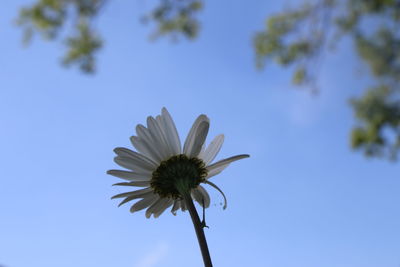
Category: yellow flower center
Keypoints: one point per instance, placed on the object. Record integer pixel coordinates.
(176, 174)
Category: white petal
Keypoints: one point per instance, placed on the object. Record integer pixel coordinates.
(145, 148)
(203, 149)
(130, 176)
(215, 170)
(160, 126)
(201, 136)
(144, 134)
(154, 206)
(171, 132)
(212, 150)
(144, 203)
(201, 196)
(132, 165)
(216, 187)
(135, 183)
(219, 166)
(193, 135)
(130, 198)
(158, 138)
(163, 207)
(138, 158)
(134, 193)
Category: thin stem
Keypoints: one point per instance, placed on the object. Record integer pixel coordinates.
(198, 227)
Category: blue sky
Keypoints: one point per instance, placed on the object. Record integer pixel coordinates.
(303, 199)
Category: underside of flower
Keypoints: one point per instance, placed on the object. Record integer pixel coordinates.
(176, 174)
(171, 174)
(168, 171)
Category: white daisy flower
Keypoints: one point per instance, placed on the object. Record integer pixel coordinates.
(165, 170)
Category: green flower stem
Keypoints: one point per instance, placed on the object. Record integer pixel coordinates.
(198, 226)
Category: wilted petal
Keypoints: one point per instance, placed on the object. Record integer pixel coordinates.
(176, 206)
(222, 193)
(201, 196)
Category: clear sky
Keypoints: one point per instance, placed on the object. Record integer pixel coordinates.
(303, 199)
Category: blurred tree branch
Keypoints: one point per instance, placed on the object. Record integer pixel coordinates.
(296, 38)
(75, 18)
(176, 18)
(49, 17)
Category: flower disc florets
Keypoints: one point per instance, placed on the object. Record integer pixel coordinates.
(178, 172)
